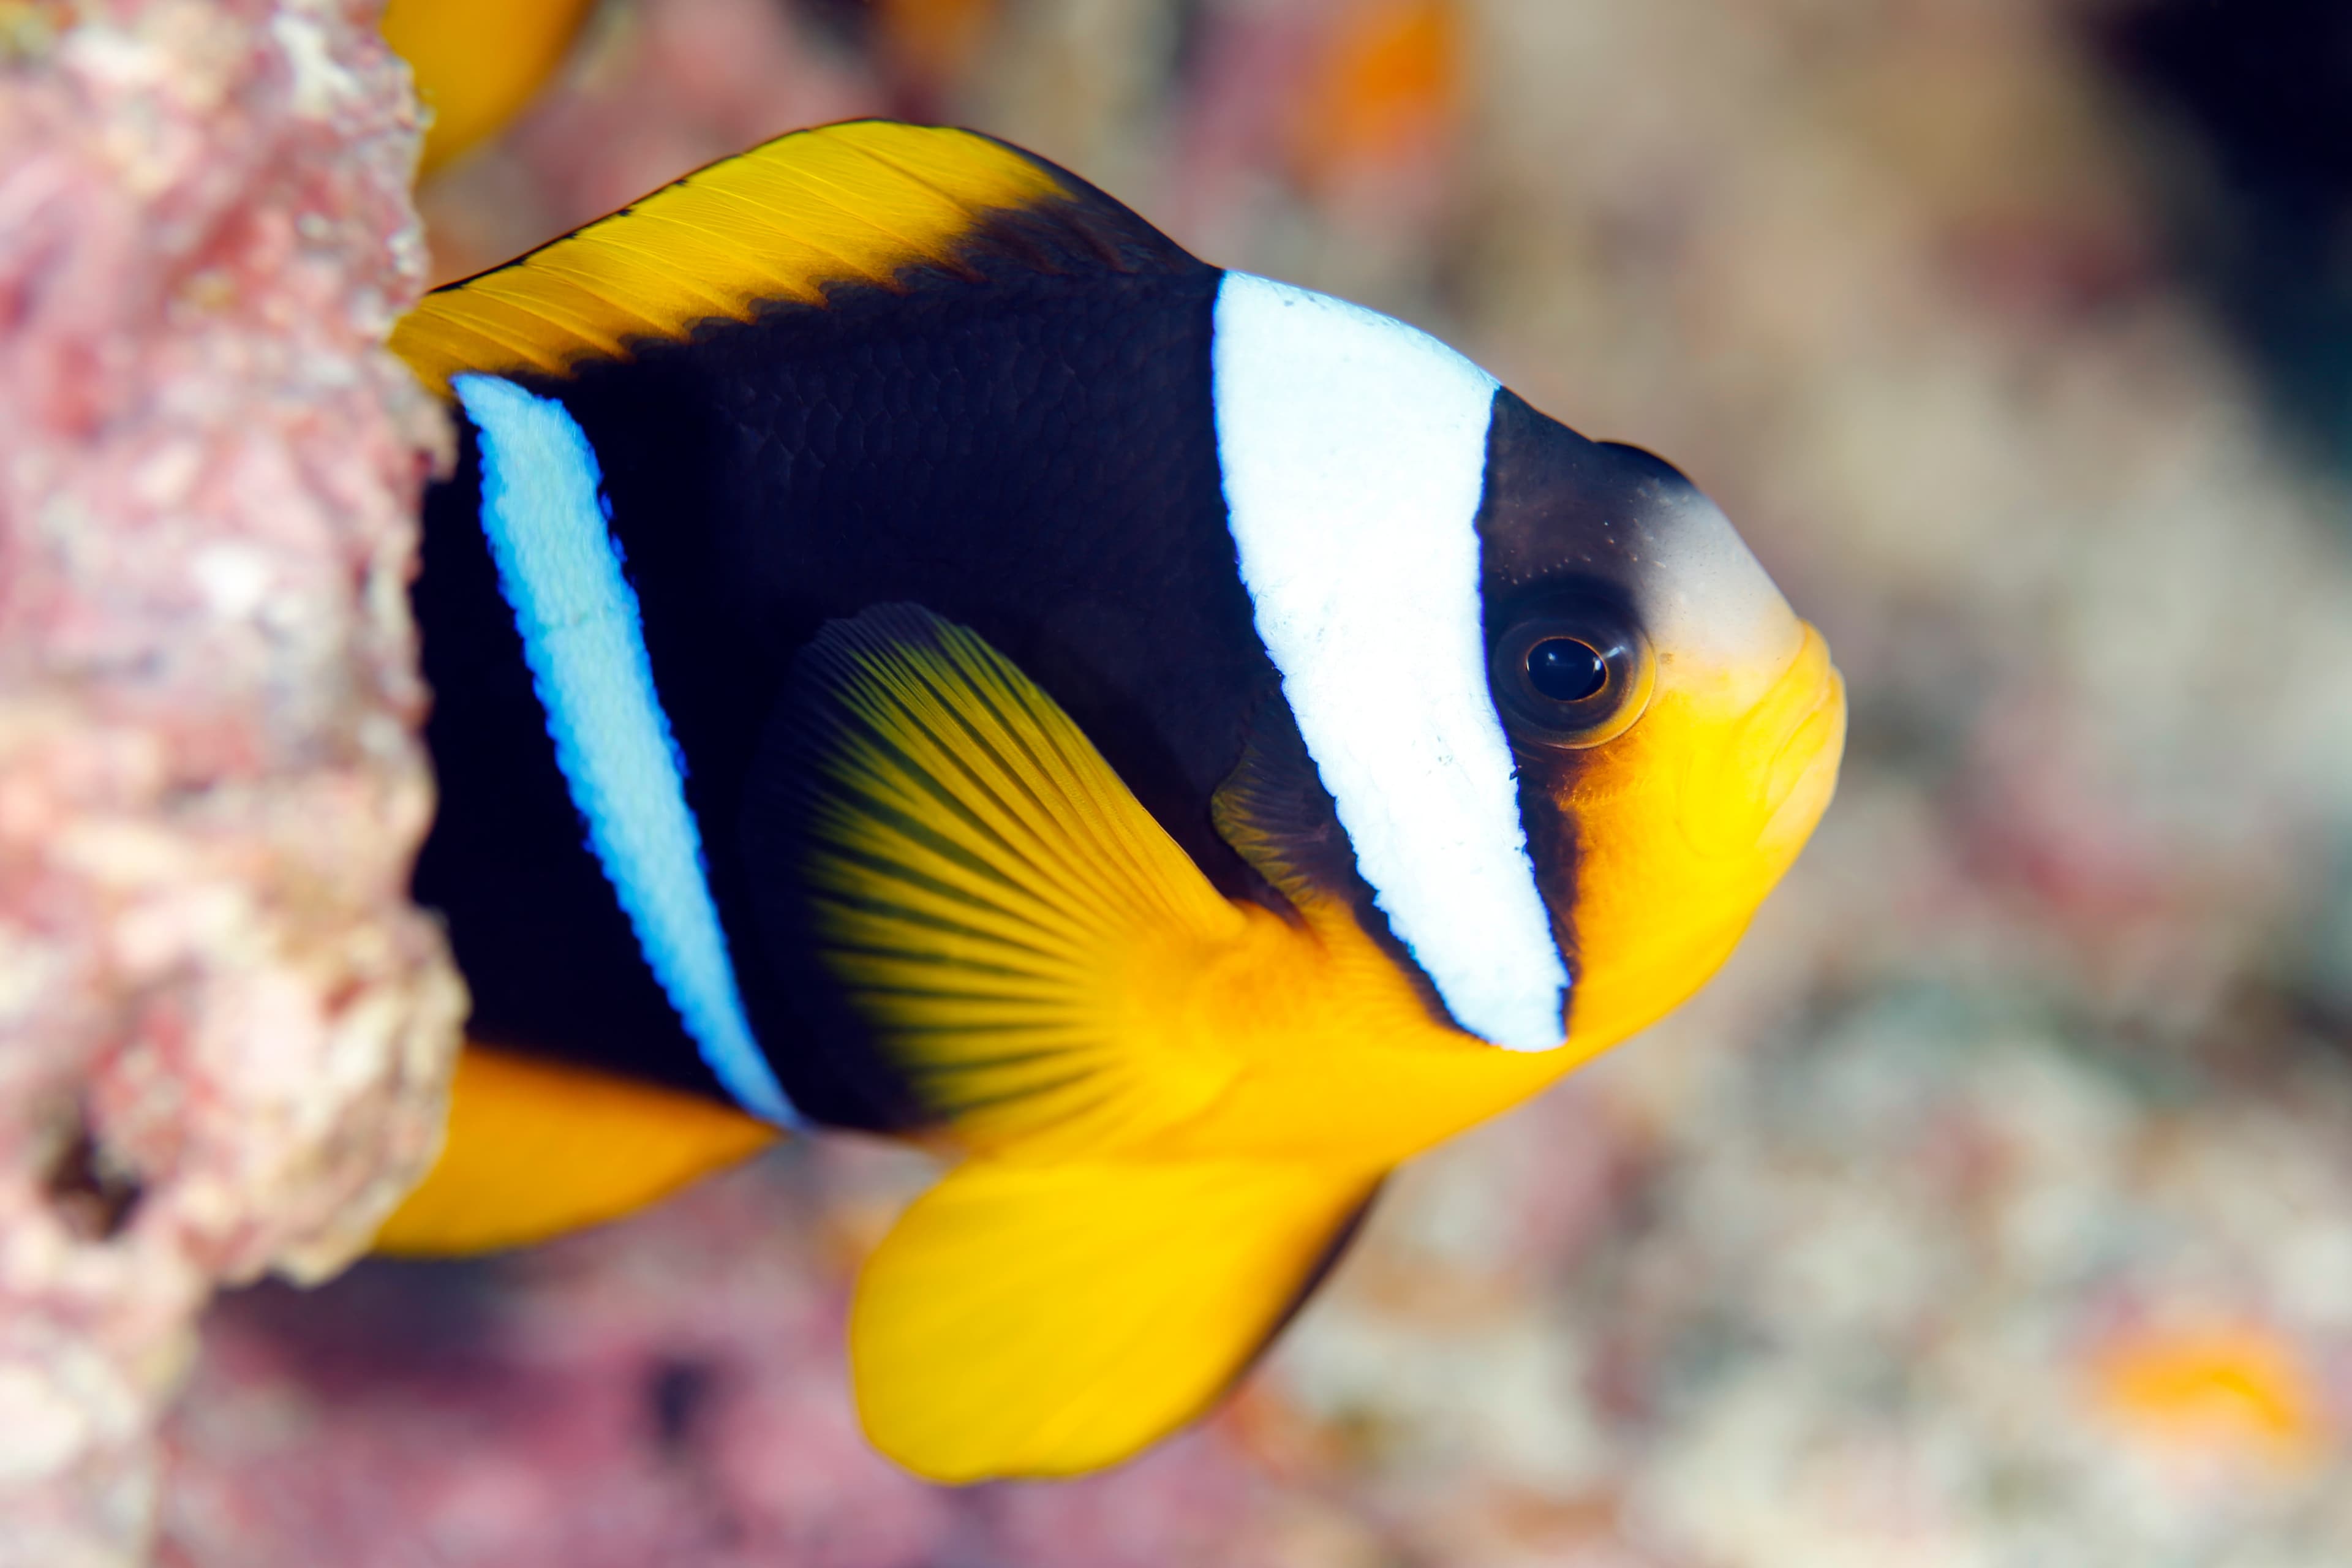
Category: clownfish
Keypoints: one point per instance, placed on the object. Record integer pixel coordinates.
(916, 650)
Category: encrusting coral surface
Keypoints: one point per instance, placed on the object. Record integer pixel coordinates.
(223, 1032)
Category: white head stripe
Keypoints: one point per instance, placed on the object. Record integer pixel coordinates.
(586, 647)
(1354, 453)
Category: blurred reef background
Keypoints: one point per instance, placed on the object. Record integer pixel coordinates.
(1994, 1207)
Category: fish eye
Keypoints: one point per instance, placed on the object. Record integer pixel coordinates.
(1573, 673)
(1566, 669)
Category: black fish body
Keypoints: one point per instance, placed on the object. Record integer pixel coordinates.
(1031, 456)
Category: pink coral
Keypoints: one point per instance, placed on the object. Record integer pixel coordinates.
(224, 1033)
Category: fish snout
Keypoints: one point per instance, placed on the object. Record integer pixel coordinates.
(1772, 778)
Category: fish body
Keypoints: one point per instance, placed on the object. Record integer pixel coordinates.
(917, 650)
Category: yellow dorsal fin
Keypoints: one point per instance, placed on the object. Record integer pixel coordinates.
(1026, 940)
(537, 1148)
(855, 203)
(1043, 1320)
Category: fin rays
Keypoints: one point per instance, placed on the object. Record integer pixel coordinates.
(853, 203)
(1048, 1319)
(990, 895)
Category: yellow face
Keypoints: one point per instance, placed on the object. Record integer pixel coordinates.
(1676, 728)
(1681, 825)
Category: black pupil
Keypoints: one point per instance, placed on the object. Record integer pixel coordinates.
(1565, 670)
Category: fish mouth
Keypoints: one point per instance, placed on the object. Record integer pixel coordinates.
(1770, 778)
(1802, 768)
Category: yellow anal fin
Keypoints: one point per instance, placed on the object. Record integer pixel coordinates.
(855, 203)
(1028, 945)
(1044, 1319)
(537, 1148)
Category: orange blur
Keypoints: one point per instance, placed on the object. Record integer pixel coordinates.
(1389, 90)
(2241, 1387)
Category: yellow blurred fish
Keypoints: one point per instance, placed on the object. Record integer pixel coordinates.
(915, 650)
(478, 62)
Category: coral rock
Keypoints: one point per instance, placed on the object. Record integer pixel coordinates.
(225, 1034)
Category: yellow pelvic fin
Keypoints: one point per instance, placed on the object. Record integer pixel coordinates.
(1043, 1320)
(537, 1148)
(853, 202)
(1027, 942)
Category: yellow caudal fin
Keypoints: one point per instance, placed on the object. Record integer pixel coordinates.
(1044, 1319)
(537, 1148)
(1025, 941)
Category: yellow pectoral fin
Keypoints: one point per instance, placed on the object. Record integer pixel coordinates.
(538, 1148)
(1025, 940)
(1044, 1319)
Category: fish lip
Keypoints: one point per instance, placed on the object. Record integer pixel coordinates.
(1791, 769)
(1831, 687)
(1806, 737)
(1737, 795)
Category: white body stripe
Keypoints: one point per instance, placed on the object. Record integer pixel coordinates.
(1354, 455)
(586, 647)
